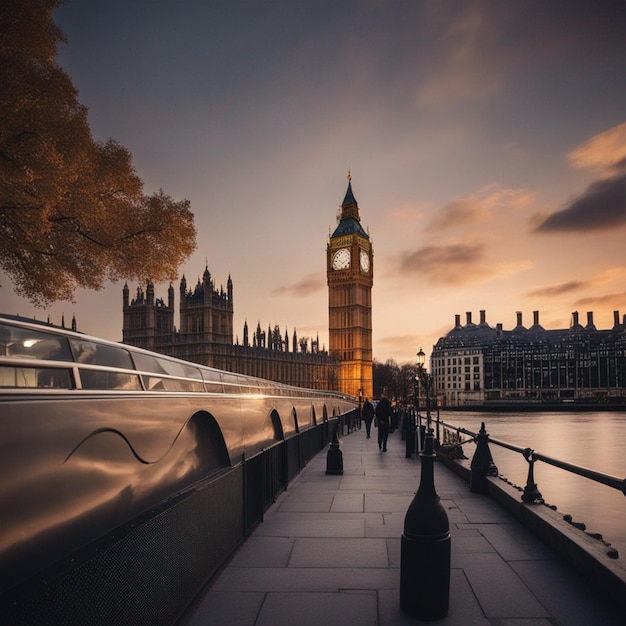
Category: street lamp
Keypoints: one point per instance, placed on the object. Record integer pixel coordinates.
(424, 378)
(421, 359)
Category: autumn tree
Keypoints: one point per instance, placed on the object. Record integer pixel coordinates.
(396, 381)
(72, 210)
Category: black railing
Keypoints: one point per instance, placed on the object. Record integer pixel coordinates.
(531, 493)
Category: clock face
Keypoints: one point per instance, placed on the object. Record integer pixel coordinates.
(341, 259)
(365, 261)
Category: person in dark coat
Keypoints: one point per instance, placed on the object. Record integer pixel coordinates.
(368, 416)
(383, 419)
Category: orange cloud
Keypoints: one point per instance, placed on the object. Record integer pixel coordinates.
(609, 275)
(479, 207)
(614, 300)
(558, 290)
(601, 152)
(603, 204)
(308, 285)
(450, 264)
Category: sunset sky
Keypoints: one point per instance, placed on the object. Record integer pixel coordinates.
(486, 142)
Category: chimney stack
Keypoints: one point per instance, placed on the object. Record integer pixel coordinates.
(519, 318)
(575, 318)
(469, 317)
(483, 318)
(536, 318)
(616, 318)
(457, 321)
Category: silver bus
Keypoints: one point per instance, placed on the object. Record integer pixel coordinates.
(95, 434)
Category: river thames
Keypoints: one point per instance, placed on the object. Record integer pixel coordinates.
(593, 440)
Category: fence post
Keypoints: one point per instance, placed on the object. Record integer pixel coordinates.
(531, 493)
(482, 464)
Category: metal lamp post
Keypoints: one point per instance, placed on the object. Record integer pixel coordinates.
(421, 378)
(410, 423)
(424, 378)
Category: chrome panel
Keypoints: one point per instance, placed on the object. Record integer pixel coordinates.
(77, 463)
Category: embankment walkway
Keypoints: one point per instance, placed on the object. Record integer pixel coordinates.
(328, 553)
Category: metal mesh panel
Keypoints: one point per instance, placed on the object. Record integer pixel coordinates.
(254, 507)
(150, 574)
(293, 456)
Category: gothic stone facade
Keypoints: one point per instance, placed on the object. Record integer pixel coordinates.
(205, 336)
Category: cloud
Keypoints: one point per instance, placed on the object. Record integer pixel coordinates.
(614, 300)
(450, 264)
(558, 290)
(433, 256)
(609, 275)
(480, 48)
(312, 283)
(601, 206)
(456, 264)
(479, 207)
(459, 69)
(604, 151)
(461, 212)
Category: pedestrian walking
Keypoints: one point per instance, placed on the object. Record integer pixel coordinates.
(368, 416)
(383, 420)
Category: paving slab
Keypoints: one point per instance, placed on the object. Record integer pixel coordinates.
(348, 503)
(359, 552)
(329, 550)
(329, 609)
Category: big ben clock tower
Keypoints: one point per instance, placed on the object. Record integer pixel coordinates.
(350, 272)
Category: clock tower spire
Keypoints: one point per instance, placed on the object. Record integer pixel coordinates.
(350, 272)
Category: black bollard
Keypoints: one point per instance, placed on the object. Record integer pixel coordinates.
(410, 439)
(482, 463)
(334, 457)
(425, 548)
(422, 437)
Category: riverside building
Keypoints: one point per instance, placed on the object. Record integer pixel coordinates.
(476, 364)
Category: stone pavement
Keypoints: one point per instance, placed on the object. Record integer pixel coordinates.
(328, 553)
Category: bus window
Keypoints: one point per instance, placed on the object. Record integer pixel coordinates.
(25, 343)
(35, 377)
(101, 354)
(213, 386)
(231, 383)
(94, 379)
(212, 381)
(159, 383)
(148, 363)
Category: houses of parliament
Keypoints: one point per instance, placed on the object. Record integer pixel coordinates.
(205, 332)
